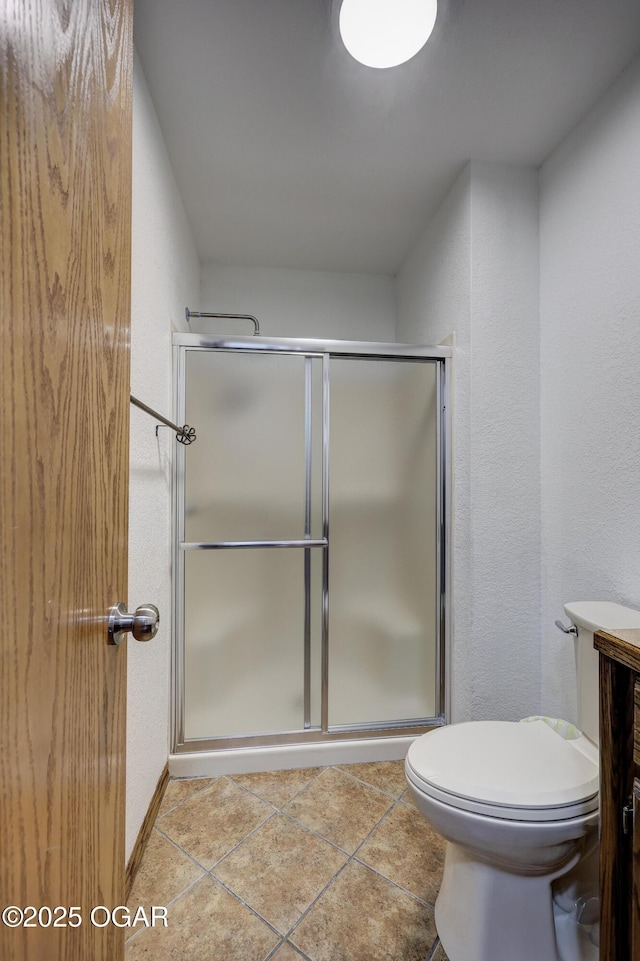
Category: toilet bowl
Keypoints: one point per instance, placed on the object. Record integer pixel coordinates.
(518, 805)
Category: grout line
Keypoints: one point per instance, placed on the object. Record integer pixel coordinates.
(399, 887)
(180, 849)
(243, 787)
(349, 854)
(393, 883)
(241, 842)
(275, 809)
(375, 827)
(170, 903)
(207, 872)
(215, 864)
(396, 797)
(320, 837)
(254, 793)
(352, 858)
(281, 810)
(234, 894)
(295, 949)
(310, 907)
(274, 950)
(405, 798)
(434, 948)
(186, 890)
(307, 785)
(180, 803)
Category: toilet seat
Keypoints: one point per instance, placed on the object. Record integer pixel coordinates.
(507, 770)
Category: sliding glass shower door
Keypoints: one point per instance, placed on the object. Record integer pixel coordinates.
(310, 577)
(383, 578)
(252, 543)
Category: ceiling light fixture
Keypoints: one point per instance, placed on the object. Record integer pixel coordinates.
(385, 33)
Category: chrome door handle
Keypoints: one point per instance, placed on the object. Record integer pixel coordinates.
(143, 623)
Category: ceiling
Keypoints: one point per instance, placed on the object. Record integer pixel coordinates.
(288, 153)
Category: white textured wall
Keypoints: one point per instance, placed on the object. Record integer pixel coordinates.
(433, 300)
(165, 278)
(475, 273)
(547, 398)
(299, 303)
(590, 366)
(505, 441)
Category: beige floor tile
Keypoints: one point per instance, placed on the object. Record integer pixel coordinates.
(206, 923)
(164, 873)
(362, 917)
(408, 851)
(277, 787)
(386, 775)
(211, 822)
(279, 870)
(339, 808)
(179, 790)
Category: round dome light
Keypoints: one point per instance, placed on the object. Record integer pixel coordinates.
(385, 33)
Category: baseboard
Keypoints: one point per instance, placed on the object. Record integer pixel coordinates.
(145, 831)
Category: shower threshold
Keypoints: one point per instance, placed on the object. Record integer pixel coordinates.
(282, 757)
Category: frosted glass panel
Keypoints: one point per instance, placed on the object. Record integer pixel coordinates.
(244, 640)
(252, 658)
(383, 541)
(245, 476)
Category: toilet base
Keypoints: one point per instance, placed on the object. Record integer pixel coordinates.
(483, 913)
(574, 941)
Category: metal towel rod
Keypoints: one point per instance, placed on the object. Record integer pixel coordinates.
(196, 313)
(184, 435)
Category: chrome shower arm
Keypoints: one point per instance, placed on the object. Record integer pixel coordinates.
(197, 313)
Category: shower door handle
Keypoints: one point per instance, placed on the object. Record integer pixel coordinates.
(143, 623)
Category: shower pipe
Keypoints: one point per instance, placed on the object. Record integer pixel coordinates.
(184, 435)
(196, 313)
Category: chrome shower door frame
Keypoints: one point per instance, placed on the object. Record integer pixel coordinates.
(310, 349)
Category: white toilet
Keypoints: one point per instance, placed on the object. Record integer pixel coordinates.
(518, 804)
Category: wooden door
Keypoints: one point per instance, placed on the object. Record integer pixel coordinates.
(65, 197)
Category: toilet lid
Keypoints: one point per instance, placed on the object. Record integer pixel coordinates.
(506, 764)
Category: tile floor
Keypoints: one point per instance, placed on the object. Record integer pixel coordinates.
(322, 864)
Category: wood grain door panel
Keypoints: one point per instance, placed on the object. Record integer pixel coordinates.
(65, 201)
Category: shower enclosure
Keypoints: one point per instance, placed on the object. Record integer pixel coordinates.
(310, 541)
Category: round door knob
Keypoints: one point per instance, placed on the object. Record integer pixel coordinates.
(143, 623)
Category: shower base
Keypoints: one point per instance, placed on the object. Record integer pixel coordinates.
(281, 757)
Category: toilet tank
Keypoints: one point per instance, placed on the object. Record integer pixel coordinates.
(589, 617)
